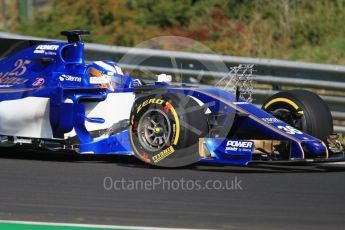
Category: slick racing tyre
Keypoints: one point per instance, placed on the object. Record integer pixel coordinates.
(302, 109)
(165, 129)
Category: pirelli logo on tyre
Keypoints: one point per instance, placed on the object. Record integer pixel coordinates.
(148, 102)
(164, 154)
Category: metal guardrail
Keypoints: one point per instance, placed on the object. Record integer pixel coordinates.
(274, 73)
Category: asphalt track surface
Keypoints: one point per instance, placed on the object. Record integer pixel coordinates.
(63, 188)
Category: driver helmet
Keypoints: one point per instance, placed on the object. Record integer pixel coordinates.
(106, 74)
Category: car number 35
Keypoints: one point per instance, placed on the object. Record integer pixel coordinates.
(290, 130)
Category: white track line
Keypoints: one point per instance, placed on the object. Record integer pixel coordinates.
(335, 163)
(88, 225)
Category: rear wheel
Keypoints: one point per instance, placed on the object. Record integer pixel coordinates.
(302, 109)
(165, 129)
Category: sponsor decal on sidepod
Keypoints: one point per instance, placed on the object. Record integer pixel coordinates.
(65, 77)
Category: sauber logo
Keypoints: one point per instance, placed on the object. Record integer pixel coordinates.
(149, 101)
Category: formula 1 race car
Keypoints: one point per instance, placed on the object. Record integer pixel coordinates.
(51, 99)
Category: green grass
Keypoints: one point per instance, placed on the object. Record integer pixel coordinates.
(282, 29)
(9, 226)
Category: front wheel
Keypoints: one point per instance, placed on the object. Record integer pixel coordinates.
(302, 109)
(165, 129)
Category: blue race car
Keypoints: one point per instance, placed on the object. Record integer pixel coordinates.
(51, 99)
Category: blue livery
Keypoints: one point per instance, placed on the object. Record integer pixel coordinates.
(50, 98)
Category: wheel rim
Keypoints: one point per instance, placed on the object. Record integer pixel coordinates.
(290, 117)
(154, 129)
